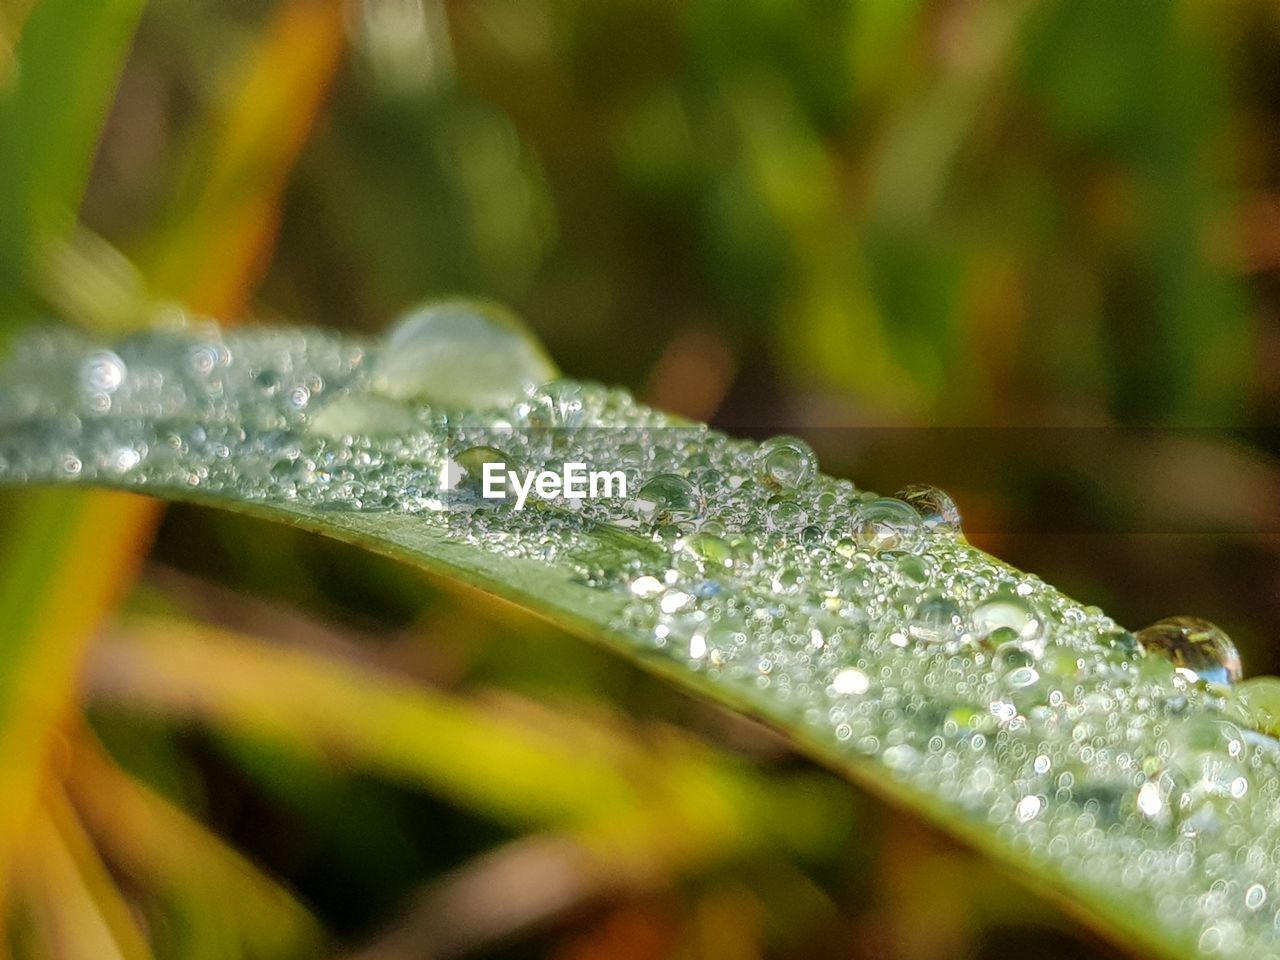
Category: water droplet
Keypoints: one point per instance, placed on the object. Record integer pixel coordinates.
(704, 553)
(1257, 703)
(1004, 616)
(555, 405)
(785, 463)
(667, 498)
(647, 586)
(1028, 808)
(462, 474)
(851, 681)
(885, 523)
(785, 515)
(936, 619)
(1150, 799)
(936, 508)
(102, 372)
(460, 353)
(1193, 645)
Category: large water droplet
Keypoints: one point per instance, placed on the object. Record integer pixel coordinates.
(885, 523)
(462, 475)
(936, 508)
(462, 353)
(936, 619)
(668, 498)
(555, 405)
(1005, 617)
(785, 463)
(704, 553)
(102, 372)
(1257, 703)
(1194, 646)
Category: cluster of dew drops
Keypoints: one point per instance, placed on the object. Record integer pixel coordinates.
(1139, 762)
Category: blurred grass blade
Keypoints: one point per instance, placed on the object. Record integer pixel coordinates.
(69, 560)
(52, 108)
(218, 903)
(49, 607)
(237, 166)
(1028, 724)
(74, 902)
(550, 771)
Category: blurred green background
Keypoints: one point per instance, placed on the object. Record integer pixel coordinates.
(1026, 251)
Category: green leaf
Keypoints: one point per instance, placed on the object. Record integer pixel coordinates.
(52, 108)
(1121, 780)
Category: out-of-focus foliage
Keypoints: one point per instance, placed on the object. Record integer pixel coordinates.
(911, 213)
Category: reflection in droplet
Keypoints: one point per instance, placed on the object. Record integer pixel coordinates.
(936, 508)
(885, 523)
(785, 463)
(667, 498)
(1195, 646)
(463, 353)
(1005, 616)
(102, 372)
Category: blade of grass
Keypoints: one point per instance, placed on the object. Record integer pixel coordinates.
(219, 230)
(52, 109)
(937, 717)
(219, 904)
(76, 905)
(48, 607)
(667, 804)
(98, 538)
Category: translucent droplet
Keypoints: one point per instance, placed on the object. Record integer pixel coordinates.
(1150, 800)
(102, 372)
(555, 405)
(460, 353)
(667, 498)
(1028, 808)
(1257, 703)
(705, 553)
(363, 415)
(885, 523)
(785, 463)
(1193, 645)
(463, 473)
(785, 515)
(936, 619)
(936, 508)
(851, 682)
(1004, 616)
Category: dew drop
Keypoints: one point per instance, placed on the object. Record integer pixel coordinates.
(936, 508)
(1257, 702)
(460, 353)
(885, 523)
(1150, 800)
(785, 515)
(463, 473)
(936, 619)
(102, 372)
(785, 463)
(1028, 808)
(704, 553)
(1193, 645)
(667, 498)
(1005, 616)
(555, 405)
(851, 681)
